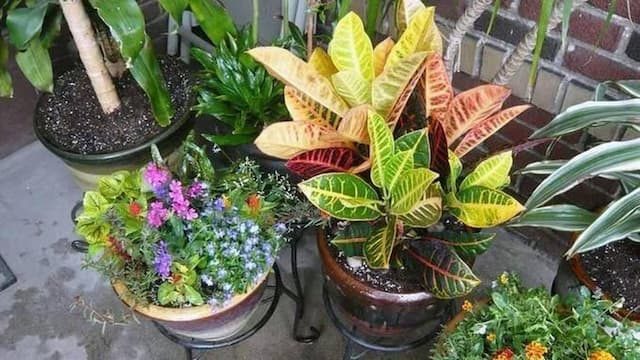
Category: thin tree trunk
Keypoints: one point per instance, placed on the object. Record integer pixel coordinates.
(311, 25)
(90, 54)
(463, 25)
(525, 47)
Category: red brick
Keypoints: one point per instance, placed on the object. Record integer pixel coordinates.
(496, 143)
(524, 158)
(528, 184)
(622, 8)
(516, 132)
(596, 66)
(535, 117)
(587, 197)
(586, 27)
(448, 8)
(530, 9)
(607, 185)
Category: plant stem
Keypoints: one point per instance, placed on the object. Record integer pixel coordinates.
(255, 25)
(344, 6)
(284, 26)
(90, 55)
(311, 16)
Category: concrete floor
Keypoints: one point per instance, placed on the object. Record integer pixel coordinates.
(36, 194)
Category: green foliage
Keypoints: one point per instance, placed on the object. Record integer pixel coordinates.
(570, 329)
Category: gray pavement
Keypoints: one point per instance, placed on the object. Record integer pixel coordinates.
(36, 320)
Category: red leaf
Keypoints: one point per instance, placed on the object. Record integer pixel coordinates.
(439, 150)
(320, 161)
(435, 88)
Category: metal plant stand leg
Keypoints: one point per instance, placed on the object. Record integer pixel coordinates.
(78, 245)
(298, 298)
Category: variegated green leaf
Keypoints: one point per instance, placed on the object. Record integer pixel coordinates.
(343, 196)
(483, 208)
(418, 142)
(456, 169)
(398, 165)
(492, 173)
(350, 48)
(381, 147)
(544, 167)
(352, 87)
(409, 189)
(378, 248)
(445, 274)
(419, 37)
(351, 240)
(466, 244)
(557, 217)
(427, 211)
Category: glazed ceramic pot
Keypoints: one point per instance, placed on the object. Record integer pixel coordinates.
(202, 322)
(372, 311)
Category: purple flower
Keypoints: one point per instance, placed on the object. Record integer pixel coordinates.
(162, 261)
(219, 204)
(281, 228)
(195, 190)
(156, 176)
(157, 214)
(179, 202)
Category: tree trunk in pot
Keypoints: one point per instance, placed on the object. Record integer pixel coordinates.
(90, 55)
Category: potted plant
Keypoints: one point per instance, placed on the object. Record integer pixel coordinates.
(83, 121)
(192, 248)
(605, 253)
(520, 323)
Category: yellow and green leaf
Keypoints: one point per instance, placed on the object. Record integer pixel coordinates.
(398, 165)
(381, 147)
(321, 61)
(380, 54)
(419, 37)
(351, 240)
(455, 165)
(352, 87)
(303, 108)
(466, 244)
(405, 11)
(287, 139)
(409, 189)
(483, 208)
(343, 196)
(492, 173)
(427, 211)
(354, 125)
(418, 142)
(350, 48)
(378, 248)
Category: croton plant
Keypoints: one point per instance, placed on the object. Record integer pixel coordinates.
(346, 106)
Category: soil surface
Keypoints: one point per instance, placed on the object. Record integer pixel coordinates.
(615, 268)
(72, 119)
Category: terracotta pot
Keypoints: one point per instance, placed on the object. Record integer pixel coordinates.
(201, 322)
(372, 311)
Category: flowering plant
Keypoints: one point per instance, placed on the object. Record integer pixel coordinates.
(533, 325)
(187, 237)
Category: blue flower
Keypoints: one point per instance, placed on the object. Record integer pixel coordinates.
(206, 279)
(162, 261)
(218, 204)
(250, 265)
(254, 229)
(281, 228)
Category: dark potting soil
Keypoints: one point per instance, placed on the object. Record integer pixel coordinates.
(72, 119)
(615, 268)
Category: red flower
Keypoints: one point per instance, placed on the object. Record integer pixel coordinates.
(504, 354)
(135, 208)
(253, 201)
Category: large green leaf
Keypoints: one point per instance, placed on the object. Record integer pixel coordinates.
(25, 23)
(6, 86)
(350, 48)
(605, 158)
(618, 221)
(591, 113)
(35, 64)
(213, 19)
(381, 149)
(409, 189)
(466, 244)
(482, 207)
(351, 240)
(427, 211)
(352, 87)
(146, 71)
(558, 217)
(342, 195)
(126, 22)
(175, 8)
(445, 274)
(418, 142)
(378, 248)
(492, 173)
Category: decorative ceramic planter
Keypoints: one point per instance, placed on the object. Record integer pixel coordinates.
(201, 322)
(372, 311)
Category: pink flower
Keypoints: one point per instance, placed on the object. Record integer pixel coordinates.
(195, 190)
(156, 176)
(157, 214)
(179, 203)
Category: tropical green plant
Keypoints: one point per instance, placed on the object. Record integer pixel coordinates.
(618, 160)
(520, 323)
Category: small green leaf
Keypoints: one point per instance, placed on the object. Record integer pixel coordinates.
(492, 173)
(557, 217)
(25, 23)
(167, 294)
(6, 86)
(193, 296)
(418, 142)
(351, 240)
(378, 248)
(456, 169)
(214, 20)
(35, 64)
(175, 8)
(467, 244)
(408, 191)
(230, 139)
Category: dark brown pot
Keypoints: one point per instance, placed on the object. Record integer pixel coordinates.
(372, 311)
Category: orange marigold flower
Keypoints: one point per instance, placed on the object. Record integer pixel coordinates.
(504, 354)
(491, 337)
(253, 201)
(601, 355)
(467, 306)
(535, 351)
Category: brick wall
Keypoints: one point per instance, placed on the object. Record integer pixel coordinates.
(566, 77)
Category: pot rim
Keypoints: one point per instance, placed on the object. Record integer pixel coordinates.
(164, 313)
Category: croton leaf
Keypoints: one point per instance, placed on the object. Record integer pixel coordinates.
(409, 189)
(466, 244)
(405, 11)
(286, 67)
(303, 108)
(480, 207)
(492, 173)
(456, 169)
(381, 149)
(562, 217)
(352, 87)
(418, 142)
(427, 211)
(439, 150)
(320, 161)
(351, 240)
(445, 274)
(321, 61)
(343, 196)
(380, 53)
(396, 168)
(287, 139)
(435, 88)
(354, 124)
(418, 37)
(488, 127)
(392, 89)
(379, 247)
(471, 107)
(350, 48)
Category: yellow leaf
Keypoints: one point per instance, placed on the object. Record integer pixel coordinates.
(321, 61)
(405, 11)
(350, 48)
(481, 207)
(354, 125)
(492, 173)
(302, 108)
(352, 87)
(287, 139)
(419, 36)
(289, 69)
(380, 53)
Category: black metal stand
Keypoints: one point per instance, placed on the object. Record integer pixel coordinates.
(354, 340)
